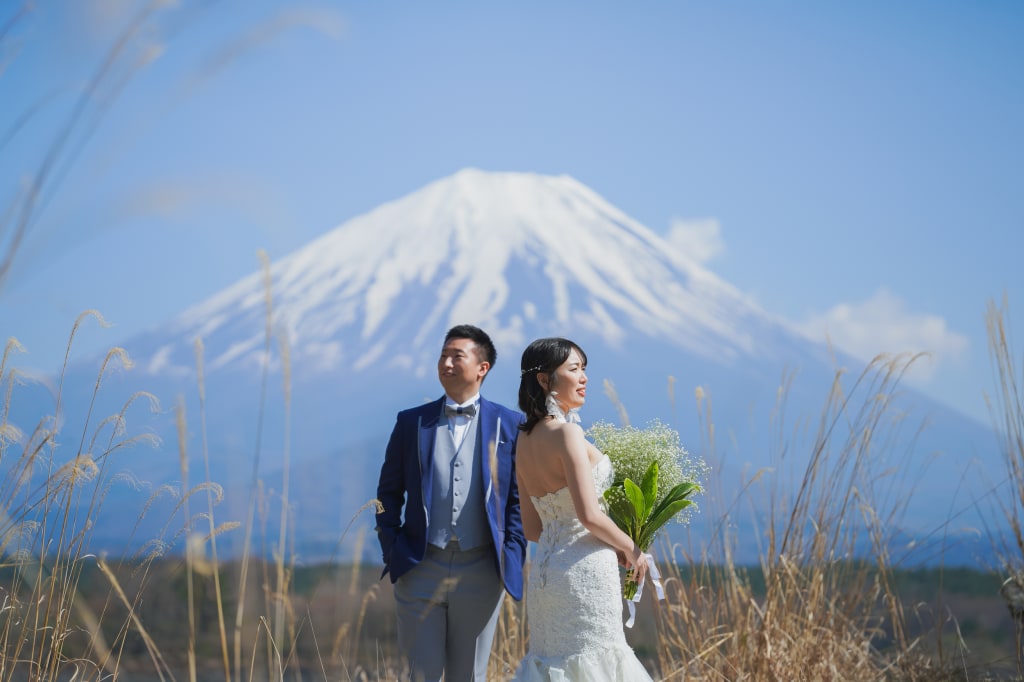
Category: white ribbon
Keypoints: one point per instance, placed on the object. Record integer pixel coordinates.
(652, 570)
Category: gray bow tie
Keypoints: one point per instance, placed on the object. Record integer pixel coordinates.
(452, 411)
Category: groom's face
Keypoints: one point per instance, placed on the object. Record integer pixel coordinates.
(459, 368)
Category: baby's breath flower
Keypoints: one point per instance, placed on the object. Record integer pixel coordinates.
(632, 450)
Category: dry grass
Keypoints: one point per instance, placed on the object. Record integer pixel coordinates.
(49, 504)
(818, 616)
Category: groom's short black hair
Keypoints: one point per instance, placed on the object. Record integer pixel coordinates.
(478, 336)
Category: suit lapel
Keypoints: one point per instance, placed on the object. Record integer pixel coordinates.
(427, 428)
(490, 429)
(484, 445)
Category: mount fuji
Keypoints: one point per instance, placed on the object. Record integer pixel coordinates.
(357, 316)
(521, 254)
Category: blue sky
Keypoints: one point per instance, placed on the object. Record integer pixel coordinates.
(855, 167)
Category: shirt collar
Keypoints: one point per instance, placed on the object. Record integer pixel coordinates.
(472, 401)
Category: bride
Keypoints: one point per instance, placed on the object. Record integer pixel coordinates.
(573, 596)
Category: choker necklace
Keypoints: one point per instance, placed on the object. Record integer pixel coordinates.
(555, 410)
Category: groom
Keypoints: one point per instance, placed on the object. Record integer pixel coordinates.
(450, 529)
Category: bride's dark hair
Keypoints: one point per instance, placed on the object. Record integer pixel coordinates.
(543, 355)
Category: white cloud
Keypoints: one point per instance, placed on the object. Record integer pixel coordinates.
(882, 324)
(699, 240)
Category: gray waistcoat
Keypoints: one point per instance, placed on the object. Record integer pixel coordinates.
(457, 492)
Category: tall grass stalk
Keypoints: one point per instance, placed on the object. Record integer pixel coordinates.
(243, 579)
(214, 569)
(280, 592)
(160, 666)
(1008, 415)
(115, 70)
(190, 592)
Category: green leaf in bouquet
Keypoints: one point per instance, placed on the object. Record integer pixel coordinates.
(620, 508)
(649, 486)
(636, 497)
(673, 503)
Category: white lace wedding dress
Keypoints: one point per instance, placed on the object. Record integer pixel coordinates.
(574, 600)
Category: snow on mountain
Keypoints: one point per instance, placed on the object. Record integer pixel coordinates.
(512, 251)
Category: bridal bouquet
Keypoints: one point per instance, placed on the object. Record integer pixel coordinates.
(654, 479)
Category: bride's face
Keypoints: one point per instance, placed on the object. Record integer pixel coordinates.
(570, 382)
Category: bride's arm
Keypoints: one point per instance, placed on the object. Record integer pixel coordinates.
(532, 525)
(580, 479)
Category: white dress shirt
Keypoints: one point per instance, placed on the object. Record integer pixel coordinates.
(460, 422)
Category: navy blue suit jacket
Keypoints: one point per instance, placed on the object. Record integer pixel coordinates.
(404, 489)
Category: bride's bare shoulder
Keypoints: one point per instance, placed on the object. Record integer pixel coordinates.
(559, 430)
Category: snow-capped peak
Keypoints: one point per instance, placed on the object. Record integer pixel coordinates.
(507, 250)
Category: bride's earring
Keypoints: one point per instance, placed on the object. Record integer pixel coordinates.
(553, 408)
(556, 411)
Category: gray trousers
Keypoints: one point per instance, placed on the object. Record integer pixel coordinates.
(448, 608)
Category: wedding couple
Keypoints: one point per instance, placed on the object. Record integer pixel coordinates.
(465, 483)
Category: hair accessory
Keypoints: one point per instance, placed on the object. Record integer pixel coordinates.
(532, 369)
